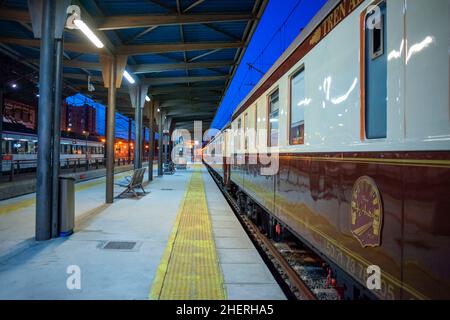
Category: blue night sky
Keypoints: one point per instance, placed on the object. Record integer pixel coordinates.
(279, 26)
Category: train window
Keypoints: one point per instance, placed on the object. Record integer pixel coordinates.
(238, 136)
(375, 68)
(246, 131)
(18, 147)
(256, 126)
(376, 38)
(297, 109)
(274, 108)
(5, 149)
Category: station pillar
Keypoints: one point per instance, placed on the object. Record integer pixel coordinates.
(138, 134)
(138, 93)
(44, 156)
(56, 142)
(130, 123)
(151, 142)
(160, 143)
(110, 129)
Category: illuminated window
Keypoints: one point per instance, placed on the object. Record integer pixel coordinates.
(256, 127)
(246, 131)
(298, 104)
(238, 136)
(274, 108)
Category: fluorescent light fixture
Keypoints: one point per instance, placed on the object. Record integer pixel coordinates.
(147, 98)
(128, 77)
(88, 33)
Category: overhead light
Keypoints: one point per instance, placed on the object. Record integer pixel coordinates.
(147, 98)
(128, 77)
(158, 110)
(88, 33)
(14, 85)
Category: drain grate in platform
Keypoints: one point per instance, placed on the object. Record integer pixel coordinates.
(167, 189)
(119, 245)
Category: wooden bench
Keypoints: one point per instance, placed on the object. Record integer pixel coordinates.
(134, 181)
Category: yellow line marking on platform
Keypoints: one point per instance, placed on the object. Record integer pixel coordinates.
(22, 204)
(189, 268)
(17, 206)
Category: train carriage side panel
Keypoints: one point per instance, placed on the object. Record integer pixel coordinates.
(426, 190)
(404, 163)
(259, 187)
(313, 192)
(236, 172)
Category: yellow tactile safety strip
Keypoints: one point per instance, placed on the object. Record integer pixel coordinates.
(189, 268)
(22, 204)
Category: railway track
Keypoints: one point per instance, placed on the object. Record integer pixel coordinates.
(300, 273)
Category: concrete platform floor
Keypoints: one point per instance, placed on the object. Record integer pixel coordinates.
(38, 270)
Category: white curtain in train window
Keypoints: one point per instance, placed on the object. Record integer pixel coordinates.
(298, 103)
(274, 107)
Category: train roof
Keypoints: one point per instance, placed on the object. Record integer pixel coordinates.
(306, 32)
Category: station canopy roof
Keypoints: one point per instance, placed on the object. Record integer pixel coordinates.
(186, 50)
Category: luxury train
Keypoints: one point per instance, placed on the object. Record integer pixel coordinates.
(357, 114)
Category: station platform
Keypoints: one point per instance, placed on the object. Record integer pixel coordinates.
(180, 241)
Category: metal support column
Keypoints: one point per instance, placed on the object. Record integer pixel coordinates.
(151, 142)
(144, 141)
(166, 148)
(110, 131)
(130, 123)
(46, 77)
(160, 145)
(138, 132)
(56, 134)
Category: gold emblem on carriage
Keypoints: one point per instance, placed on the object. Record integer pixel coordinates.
(366, 212)
(315, 38)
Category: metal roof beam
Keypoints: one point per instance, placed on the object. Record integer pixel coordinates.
(184, 96)
(132, 49)
(181, 112)
(79, 76)
(225, 33)
(204, 55)
(174, 80)
(136, 21)
(162, 67)
(140, 49)
(194, 106)
(149, 68)
(143, 21)
(172, 89)
(140, 34)
(193, 5)
(187, 100)
(68, 46)
(14, 15)
(163, 5)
